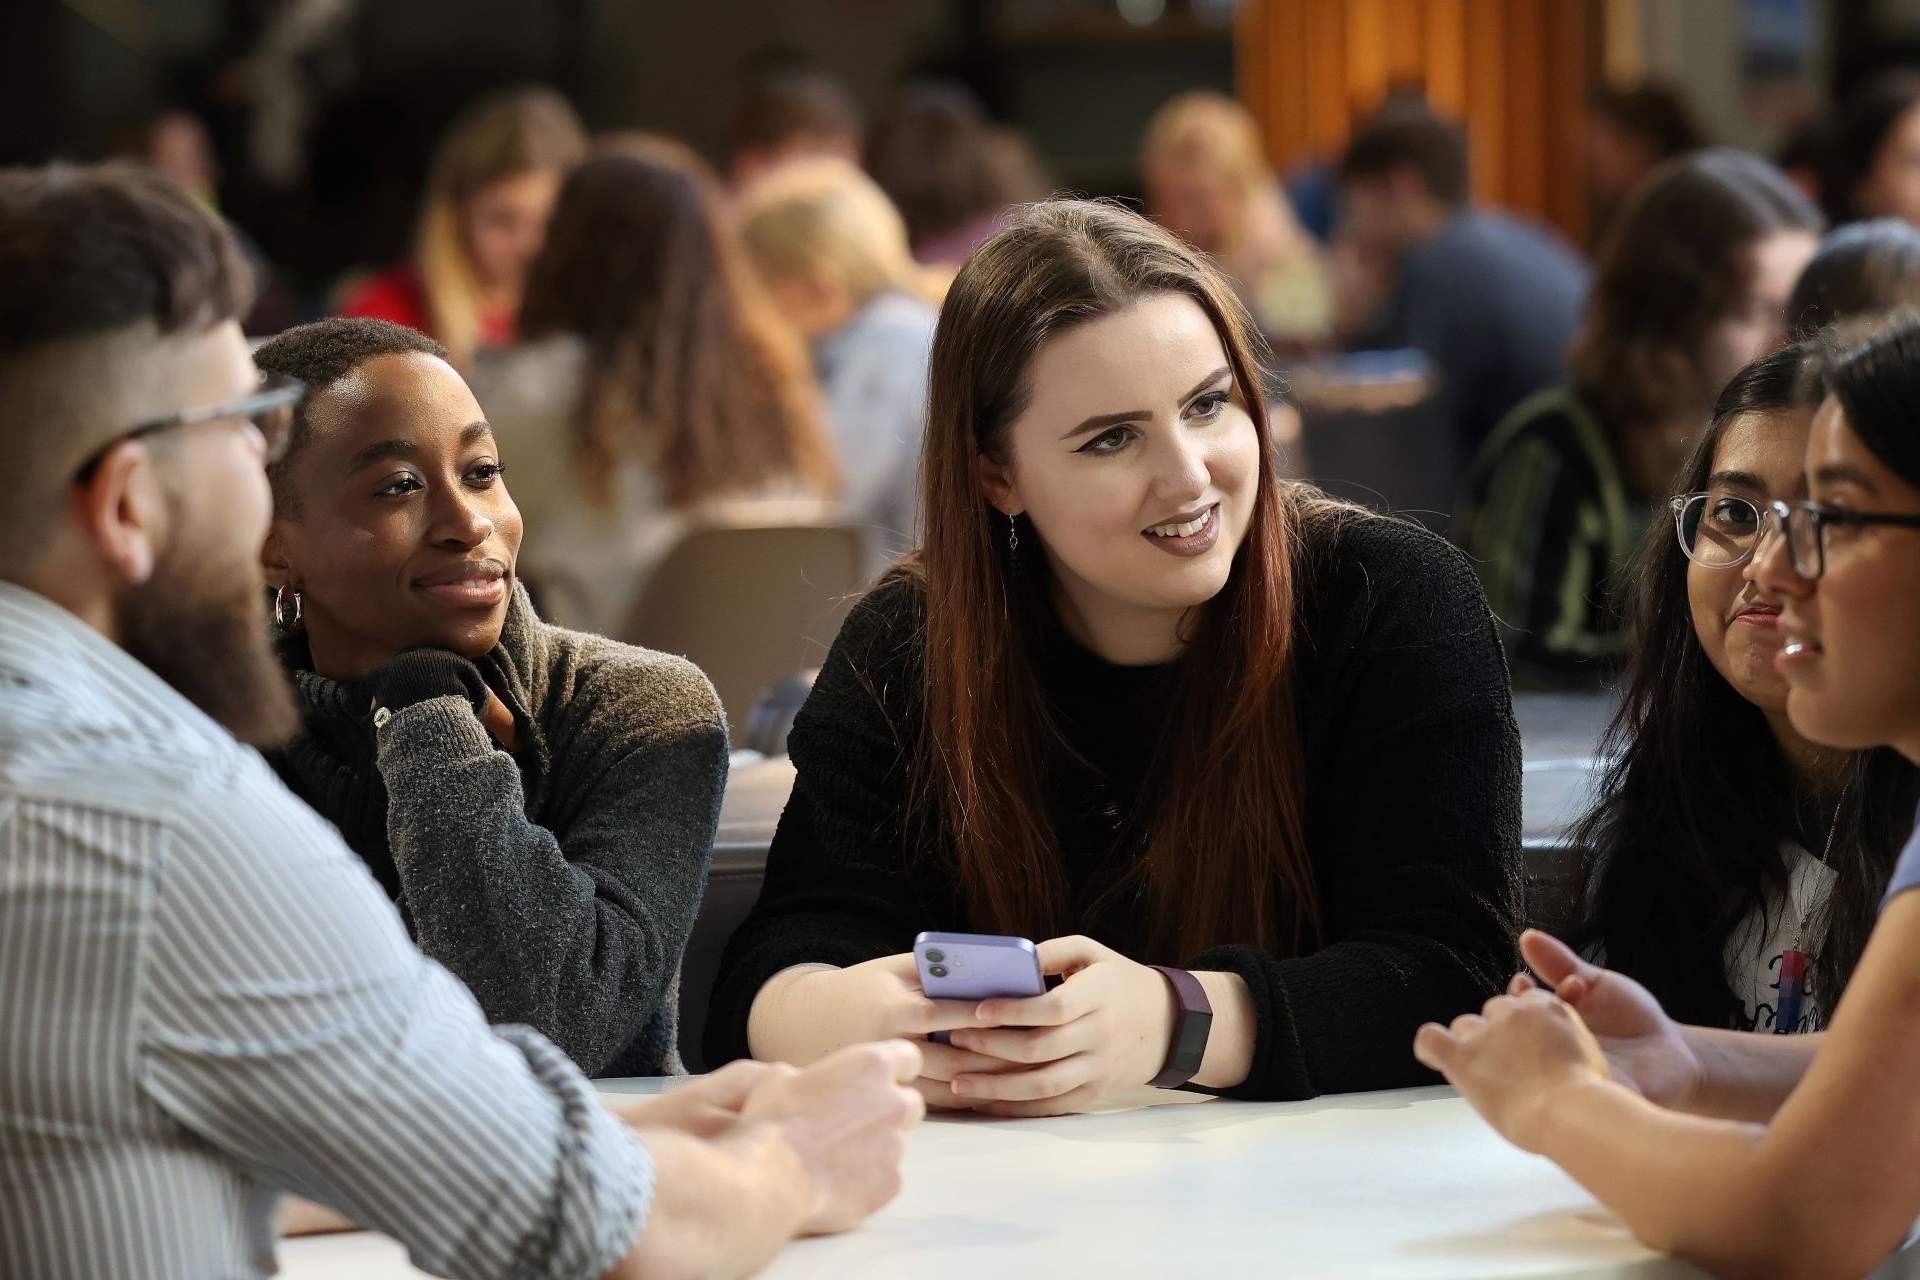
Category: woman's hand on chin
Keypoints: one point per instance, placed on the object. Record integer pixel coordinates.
(417, 675)
(1102, 1032)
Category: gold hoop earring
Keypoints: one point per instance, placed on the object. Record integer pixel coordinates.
(280, 610)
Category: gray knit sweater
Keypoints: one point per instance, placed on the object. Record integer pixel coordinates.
(560, 883)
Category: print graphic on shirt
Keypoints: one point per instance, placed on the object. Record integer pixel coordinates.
(1780, 937)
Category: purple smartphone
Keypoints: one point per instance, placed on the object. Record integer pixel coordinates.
(976, 966)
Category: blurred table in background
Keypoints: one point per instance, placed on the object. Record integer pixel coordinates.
(1372, 431)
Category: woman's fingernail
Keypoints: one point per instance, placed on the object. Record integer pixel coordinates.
(959, 1086)
(983, 1012)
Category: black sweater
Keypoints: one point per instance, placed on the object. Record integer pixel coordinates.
(559, 884)
(1412, 793)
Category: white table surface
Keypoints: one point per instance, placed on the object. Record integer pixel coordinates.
(1404, 1185)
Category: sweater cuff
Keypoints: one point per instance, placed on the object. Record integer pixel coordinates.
(441, 730)
(420, 674)
(1279, 1068)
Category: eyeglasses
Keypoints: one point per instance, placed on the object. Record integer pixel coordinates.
(1721, 531)
(269, 410)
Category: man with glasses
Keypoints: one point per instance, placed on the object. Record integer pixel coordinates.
(204, 999)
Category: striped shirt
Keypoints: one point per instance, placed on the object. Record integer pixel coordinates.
(205, 1000)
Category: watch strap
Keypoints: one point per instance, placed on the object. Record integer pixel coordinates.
(1191, 1025)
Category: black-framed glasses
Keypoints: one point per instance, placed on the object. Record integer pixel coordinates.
(269, 409)
(1809, 526)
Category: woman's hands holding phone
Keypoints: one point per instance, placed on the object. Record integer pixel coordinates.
(878, 1000)
(1103, 1031)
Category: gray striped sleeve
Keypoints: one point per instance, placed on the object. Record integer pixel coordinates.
(285, 1018)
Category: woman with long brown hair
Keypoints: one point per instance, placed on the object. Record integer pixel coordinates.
(489, 193)
(655, 382)
(1142, 702)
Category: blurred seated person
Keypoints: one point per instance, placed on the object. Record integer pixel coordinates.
(489, 193)
(1733, 866)
(833, 253)
(655, 382)
(1861, 269)
(1491, 301)
(1802, 156)
(791, 112)
(1207, 180)
(1691, 286)
(1872, 153)
(1630, 133)
(539, 803)
(953, 174)
(178, 144)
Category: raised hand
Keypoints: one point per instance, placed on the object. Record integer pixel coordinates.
(1644, 1048)
(1514, 1060)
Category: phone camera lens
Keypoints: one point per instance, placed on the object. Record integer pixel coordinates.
(935, 957)
(938, 971)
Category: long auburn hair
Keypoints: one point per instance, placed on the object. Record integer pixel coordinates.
(509, 133)
(687, 360)
(1225, 852)
(1685, 835)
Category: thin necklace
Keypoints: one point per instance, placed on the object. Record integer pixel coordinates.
(1794, 961)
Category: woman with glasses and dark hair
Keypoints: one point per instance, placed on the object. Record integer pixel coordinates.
(1759, 1154)
(1734, 866)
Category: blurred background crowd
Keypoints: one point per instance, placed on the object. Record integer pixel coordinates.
(1506, 251)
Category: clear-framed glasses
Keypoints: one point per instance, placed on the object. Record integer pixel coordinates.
(1719, 530)
(269, 410)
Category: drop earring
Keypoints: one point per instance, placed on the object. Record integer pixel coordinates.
(1013, 533)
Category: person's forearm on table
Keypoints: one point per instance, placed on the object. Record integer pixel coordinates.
(778, 1030)
(1746, 1075)
(720, 1208)
(1704, 1190)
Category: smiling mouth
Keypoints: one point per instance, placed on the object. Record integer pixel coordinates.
(1184, 527)
(477, 583)
(1799, 646)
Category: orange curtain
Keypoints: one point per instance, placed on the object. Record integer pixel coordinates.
(1515, 72)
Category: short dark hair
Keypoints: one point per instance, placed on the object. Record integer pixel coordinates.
(89, 249)
(1654, 113)
(1861, 269)
(322, 353)
(1410, 138)
(92, 256)
(792, 101)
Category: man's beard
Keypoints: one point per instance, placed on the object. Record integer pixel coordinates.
(202, 628)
